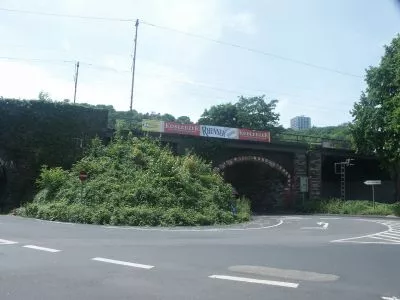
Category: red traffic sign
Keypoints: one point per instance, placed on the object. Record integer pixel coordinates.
(83, 176)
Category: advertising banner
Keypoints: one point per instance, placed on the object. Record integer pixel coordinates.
(206, 131)
(188, 129)
(153, 125)
(219, 132)
(254, 135)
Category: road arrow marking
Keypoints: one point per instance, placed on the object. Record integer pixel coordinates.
(6, 242)
(322, 225)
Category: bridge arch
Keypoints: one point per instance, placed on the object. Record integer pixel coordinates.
(274, 177)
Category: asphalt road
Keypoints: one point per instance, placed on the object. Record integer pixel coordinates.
(283, 257)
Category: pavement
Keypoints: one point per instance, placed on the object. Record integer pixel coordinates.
(272, 257)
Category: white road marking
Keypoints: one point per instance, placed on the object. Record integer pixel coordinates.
(259, 281)
(387, 239)
(7, 242)
(322, 225)
(294, 218)
(41, 248)
(390, 298)
(391, 236)
(123, 263)
(194, 230)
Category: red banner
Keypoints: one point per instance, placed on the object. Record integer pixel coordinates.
(254, 135)
(189, 129)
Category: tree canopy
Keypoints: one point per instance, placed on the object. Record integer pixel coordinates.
(253, 113)
(339, 132)
(376, 125)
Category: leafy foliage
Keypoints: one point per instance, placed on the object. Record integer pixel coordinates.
(128, 120)
(136, 182)
(352, 207)
(40, 132)
(340, 132)
(254, 113)
(376, 126)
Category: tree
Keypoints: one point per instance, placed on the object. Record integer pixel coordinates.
(44, 96)
(168, 118)
(184, 120)
(376, 124)
(220, 115)
(253, 113)
(339, 132)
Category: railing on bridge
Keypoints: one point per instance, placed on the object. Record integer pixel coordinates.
(313, 140)
(286, 138)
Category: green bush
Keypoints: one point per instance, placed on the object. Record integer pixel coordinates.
(351, 207)
(51, 179)
(136, 182)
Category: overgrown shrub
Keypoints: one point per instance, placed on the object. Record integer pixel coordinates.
(136, 182)
(351, 207)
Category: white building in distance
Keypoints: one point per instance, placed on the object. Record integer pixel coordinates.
(300, 123)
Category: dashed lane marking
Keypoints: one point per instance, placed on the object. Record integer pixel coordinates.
(259, 281)
(7, 242)
(123, 263)
(41, 248)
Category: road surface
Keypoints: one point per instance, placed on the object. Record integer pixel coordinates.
(279, 257)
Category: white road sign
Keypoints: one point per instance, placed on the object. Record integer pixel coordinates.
(373, 182)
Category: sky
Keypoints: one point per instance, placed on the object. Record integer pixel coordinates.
(310, 55)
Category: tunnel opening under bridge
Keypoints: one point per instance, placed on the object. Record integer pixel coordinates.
(265, 183)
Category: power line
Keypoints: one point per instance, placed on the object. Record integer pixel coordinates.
(182, 81)
(37, 59)
(194, 35)
(277, 56)
(19, 11)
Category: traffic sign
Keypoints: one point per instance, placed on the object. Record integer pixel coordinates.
(373, 182)
(303, 184)
(82, 176)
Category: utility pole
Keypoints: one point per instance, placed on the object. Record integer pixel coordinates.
(76, 79)
(134, 63)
